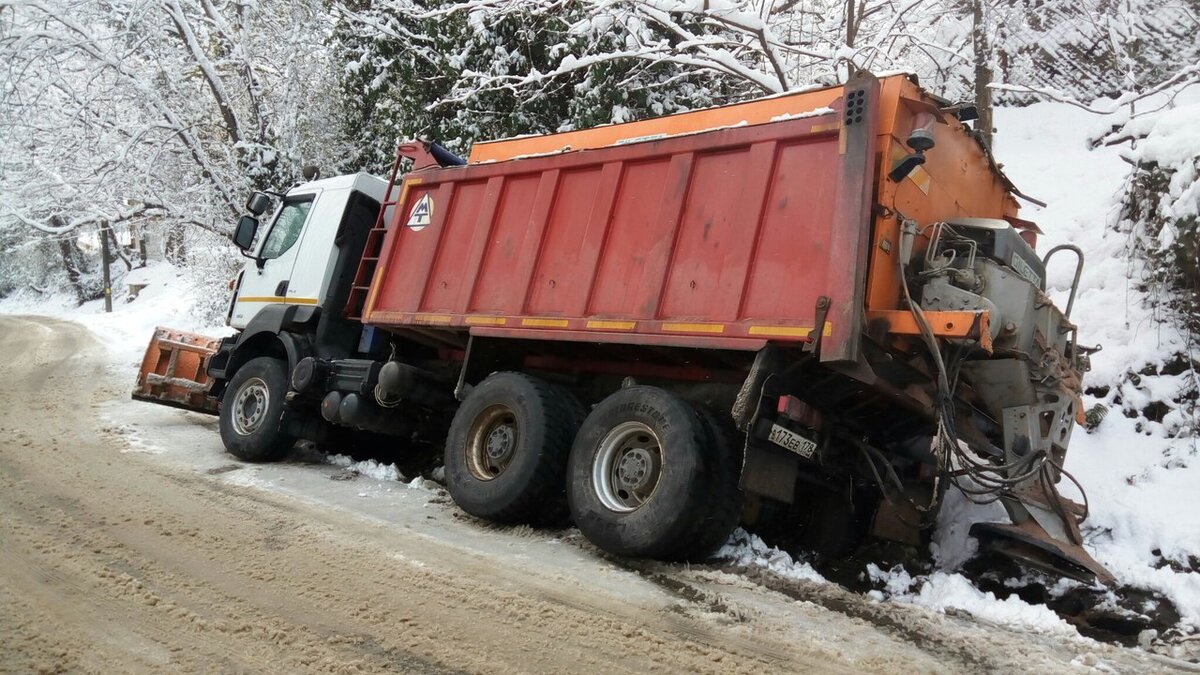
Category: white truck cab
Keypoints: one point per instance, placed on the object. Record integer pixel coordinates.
(293, 257)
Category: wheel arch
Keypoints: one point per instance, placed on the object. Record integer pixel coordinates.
(287, 347)
(279, 331)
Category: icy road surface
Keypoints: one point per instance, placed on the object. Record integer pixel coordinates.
(129, 541)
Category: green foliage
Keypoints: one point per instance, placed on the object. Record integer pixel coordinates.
(455, 75)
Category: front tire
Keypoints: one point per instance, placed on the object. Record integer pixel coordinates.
(650, 477)
(251, 409)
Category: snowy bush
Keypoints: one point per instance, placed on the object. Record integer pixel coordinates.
(1161, 206)
(1159, 210)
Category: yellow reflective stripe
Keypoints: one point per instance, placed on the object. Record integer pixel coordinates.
(789, 331)
(485, 320)
(544, 323)
(694, 327)
(611, 325)
(431, 318)
(276, 298)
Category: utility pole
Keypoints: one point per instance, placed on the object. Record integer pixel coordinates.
(106, 255)
(983, 72)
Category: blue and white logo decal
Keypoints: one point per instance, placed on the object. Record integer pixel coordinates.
(421, 214)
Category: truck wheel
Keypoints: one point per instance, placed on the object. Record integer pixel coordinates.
(250, 412)
(648, 477)
(726, 499)
(506, 451)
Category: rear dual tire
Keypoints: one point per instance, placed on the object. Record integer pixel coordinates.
(652, 476)
(645, 474)
(506, 451)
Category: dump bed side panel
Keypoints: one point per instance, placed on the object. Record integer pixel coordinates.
(720, 239)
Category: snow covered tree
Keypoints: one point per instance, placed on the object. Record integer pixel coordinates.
(401, 68)
(461, 71)
(1086, 49)
(154, 113)
(1135, 64)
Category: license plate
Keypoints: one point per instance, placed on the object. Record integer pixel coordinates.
(792, 441)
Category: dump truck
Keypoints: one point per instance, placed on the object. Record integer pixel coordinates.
(821, 302)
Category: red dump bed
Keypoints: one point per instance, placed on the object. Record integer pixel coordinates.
(722, 238)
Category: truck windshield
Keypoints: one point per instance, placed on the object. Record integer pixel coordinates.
(287, 227)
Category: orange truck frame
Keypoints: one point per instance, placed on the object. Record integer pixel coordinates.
(821, 303)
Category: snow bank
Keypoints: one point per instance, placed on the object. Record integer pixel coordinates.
(168, 298)
(1044, 150)
(369, 468)
(749, 550)
(1141, 483)
(944, 592)
(385, 472)
(1171, 139)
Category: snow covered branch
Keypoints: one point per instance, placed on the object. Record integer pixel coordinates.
(179, 106)
(1171, 87)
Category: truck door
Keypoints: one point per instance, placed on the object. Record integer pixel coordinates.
(267, 280)
(317, 250)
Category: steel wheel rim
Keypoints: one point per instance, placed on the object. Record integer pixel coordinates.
(492, 442)
(250, 406)
(627, 467)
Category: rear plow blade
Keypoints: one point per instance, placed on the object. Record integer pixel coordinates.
(173, 371)
(1044, 534)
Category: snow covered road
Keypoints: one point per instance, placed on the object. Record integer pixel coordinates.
(130, 542)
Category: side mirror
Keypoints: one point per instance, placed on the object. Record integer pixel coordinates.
(258, 203)
(247, 227)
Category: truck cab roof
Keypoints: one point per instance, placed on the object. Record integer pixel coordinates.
(372, 186)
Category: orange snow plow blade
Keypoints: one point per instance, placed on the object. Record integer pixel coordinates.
(173, 371)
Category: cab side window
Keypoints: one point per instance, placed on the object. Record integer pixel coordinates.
(287, 228)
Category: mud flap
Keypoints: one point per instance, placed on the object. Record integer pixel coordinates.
(769, 471)
(173, 371)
